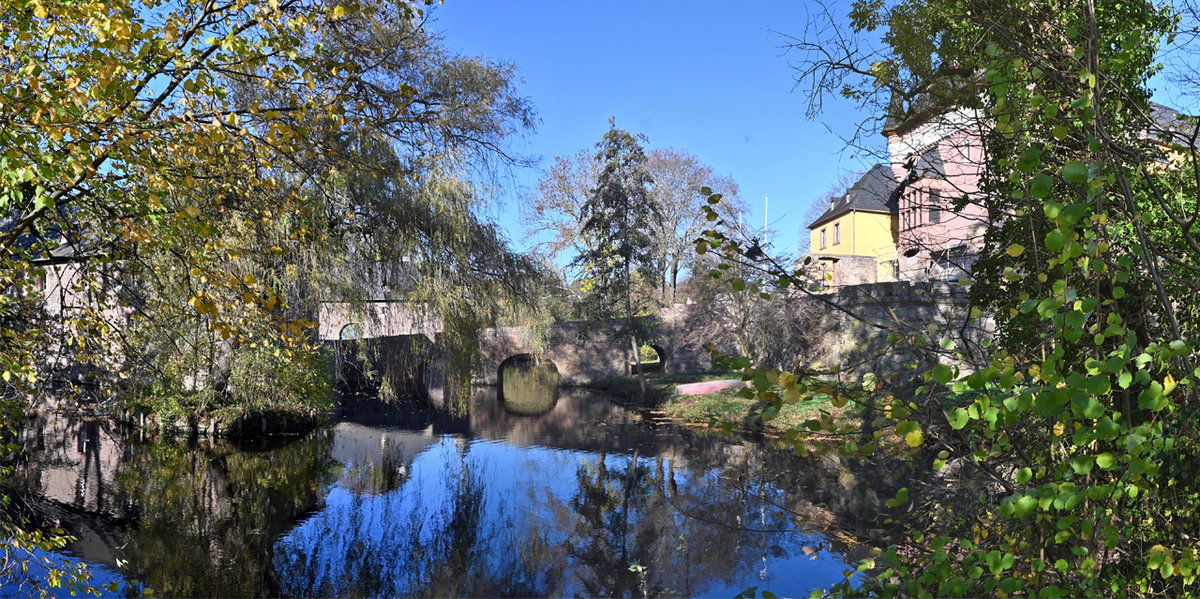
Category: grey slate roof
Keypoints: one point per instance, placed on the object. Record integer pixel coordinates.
(1170, 126)
(872, 193)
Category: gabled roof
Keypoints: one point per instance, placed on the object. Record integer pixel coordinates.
(1170, 126)
(872, 193)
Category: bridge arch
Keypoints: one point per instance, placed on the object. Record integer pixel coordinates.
(521, 360)
(528, 392)
(659, 365)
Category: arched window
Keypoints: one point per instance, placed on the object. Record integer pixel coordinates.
(350, 332)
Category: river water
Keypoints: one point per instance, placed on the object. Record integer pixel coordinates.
(559, 495)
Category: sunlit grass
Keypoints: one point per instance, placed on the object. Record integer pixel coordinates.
(724, 406)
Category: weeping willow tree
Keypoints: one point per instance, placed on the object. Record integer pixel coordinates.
(393, 215)
(193, 182)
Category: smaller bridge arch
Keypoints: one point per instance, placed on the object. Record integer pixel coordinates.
(659, 366)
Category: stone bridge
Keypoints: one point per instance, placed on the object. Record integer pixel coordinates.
(581, 352)
(584, 352)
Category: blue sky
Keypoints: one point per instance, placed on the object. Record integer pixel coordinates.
(706, 77)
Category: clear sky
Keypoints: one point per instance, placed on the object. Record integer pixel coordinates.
(706, 77)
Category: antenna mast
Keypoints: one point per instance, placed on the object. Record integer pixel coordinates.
(766, 211)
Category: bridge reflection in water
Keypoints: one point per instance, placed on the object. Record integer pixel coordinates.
(585, 499)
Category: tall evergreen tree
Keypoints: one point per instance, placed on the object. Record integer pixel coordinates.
(620, 214)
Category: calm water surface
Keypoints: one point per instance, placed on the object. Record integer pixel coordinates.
(581, 499)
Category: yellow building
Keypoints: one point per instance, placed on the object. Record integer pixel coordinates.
(854, 241)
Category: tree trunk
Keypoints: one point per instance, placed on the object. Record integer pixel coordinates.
(674, 279)
(637, 354)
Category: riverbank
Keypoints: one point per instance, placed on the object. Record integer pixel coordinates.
(191, 415)
(726, 408)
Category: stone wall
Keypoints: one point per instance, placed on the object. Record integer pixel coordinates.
(933, 311)
(842, 270)
(368, 320)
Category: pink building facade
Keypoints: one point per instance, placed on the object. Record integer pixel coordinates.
(939, 158)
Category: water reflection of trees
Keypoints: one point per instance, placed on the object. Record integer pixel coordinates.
(208, 517)
(644, 527)
(425, 539)
(482, 520)
(611, 507)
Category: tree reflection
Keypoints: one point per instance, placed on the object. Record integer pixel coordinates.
(646, 529)
(396, 507)
(207, 518)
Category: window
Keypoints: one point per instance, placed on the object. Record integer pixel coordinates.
(910, 209)
(822, 238)
(837, 233)
(935, 208)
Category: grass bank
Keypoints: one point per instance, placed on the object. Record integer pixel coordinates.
(726, 407)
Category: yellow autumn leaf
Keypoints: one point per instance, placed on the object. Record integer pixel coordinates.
(339, 11)
(838, 400)
(1015, 250)
(914, 438)
(192, 211)
(1168, 385)
(1058, 429)
(40, 11)
(791, 395)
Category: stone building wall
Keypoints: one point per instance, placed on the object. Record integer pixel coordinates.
(934, 311)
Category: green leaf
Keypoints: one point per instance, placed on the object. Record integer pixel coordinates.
(1105, 460)
(1029, 159)
(942, 373)
(1024, 475)
(1082, 464)
(1124, 379)
(1152, 398)
(1074, 172)
(1040, 186)
(1158, 555)
(1055, 240)
(900, 499)
(958, 418)
(1024, 506)
(914, 438)
(1087, 405)
(1098, 385)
